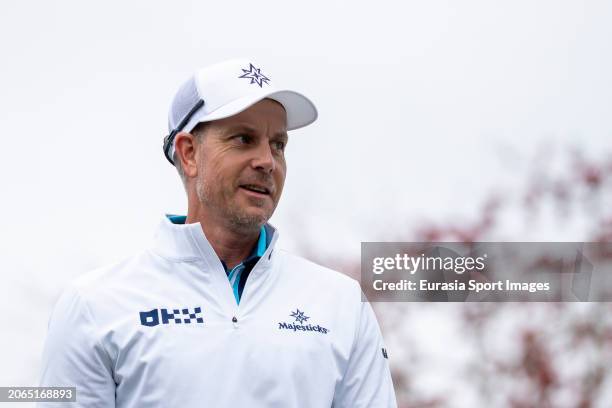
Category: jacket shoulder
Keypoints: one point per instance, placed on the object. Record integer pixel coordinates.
(304, 270)
(108, 275)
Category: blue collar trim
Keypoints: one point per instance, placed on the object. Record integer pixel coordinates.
(177, 219)
(262, 243)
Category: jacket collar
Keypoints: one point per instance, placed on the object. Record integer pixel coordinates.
(187, 242)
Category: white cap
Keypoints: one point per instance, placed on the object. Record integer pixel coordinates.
(226, 89)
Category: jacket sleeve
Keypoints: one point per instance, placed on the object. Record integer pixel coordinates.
(367, 381)
(74, 357)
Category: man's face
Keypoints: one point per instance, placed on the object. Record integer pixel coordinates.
(241, 165)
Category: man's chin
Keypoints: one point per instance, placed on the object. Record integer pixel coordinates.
(250, 219)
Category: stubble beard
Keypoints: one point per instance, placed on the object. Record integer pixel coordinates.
(236, 219)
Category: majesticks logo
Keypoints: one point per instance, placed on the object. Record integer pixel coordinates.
(298, 323)
(255, 75)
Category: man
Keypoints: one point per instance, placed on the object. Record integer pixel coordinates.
(213, 315)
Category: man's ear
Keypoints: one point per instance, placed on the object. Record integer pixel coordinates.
(185, 148)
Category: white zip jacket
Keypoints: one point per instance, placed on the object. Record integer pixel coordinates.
(163, 329)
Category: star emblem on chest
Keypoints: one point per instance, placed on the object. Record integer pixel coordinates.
(299, 316)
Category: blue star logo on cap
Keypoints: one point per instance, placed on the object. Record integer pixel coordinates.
(299, 316)
(255, 75)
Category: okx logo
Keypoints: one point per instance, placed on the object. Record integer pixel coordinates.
(167, 316)
(298, 324)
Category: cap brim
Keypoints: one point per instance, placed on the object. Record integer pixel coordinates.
(300, 110)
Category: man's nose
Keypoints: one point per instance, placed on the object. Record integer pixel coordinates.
(264, 158)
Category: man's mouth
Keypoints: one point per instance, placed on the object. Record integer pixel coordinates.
(256, 189)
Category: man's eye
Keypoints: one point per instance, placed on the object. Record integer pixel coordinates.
(243, 139)
(279, 145)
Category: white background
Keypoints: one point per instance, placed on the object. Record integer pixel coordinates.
(423, 107)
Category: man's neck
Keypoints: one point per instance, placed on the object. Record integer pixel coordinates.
(231, 246)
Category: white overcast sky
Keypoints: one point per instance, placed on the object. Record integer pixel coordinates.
(423, 106)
